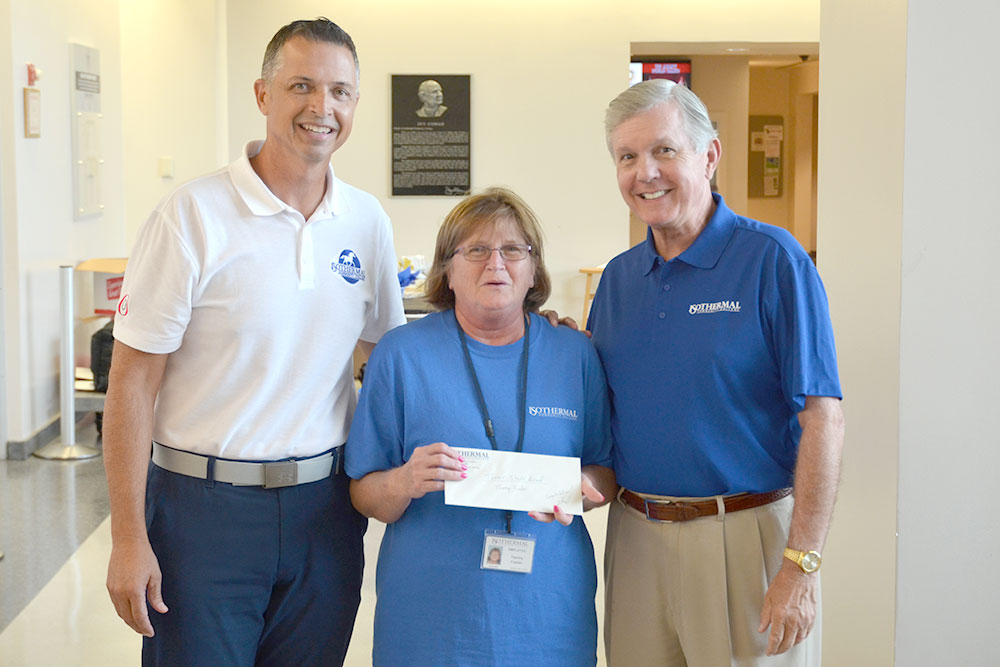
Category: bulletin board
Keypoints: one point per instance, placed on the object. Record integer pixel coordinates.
(764, 159)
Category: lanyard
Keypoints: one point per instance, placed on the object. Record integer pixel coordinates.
(484, 411)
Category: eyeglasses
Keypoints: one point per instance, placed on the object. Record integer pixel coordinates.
(512, 252)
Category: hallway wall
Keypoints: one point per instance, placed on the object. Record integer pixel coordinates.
(907, 235)
(542, 75)
(516, 51)
(862, 86)
(172, 105)
(6, 210)
(949, 448)
(39, 232)
(568, 60)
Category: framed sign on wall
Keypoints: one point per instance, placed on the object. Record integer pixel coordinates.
(430, 134)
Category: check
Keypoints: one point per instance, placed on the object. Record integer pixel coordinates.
(517, 481)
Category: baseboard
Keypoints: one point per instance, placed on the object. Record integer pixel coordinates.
(20, 450)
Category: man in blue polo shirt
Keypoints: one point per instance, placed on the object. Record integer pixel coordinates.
(716, 339)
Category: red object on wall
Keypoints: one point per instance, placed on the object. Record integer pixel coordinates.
(113, 286)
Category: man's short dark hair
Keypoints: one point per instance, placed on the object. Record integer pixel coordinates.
(320, 29)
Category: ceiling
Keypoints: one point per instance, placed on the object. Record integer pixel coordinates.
(761, 54)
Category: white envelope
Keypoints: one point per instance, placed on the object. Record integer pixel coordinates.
(517, 481)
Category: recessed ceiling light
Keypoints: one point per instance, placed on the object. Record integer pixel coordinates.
(737, 49)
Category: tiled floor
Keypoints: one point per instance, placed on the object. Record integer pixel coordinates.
(47, 509)
(54, 608)
(72, 622)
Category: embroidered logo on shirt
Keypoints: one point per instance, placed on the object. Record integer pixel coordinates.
(348, 266)
(717, 307)
(561, 413)
(123, 306)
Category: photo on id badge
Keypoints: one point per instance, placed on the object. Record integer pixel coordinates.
(507, 552)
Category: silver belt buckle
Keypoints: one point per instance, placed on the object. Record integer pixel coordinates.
(281, 473)
(646, 504)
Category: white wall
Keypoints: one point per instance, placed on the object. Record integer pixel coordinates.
(862, 70)
(906, 238)
(172, 91)
(567, 58)
(904, 260)
(789, 92)
(542, 75)
(804, 88)
(160, 63)
(7, 208)
(949, 446)
(39, 230)
(770, 95)
(723, 84)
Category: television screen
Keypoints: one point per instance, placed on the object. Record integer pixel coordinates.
(678, 71)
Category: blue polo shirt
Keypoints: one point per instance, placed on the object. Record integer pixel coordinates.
(710, 356)
(435, 605)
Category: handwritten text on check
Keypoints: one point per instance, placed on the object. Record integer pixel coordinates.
(517, 481)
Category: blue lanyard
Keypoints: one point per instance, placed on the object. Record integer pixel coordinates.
(522, 396)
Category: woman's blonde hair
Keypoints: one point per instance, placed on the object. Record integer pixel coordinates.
(472, 214)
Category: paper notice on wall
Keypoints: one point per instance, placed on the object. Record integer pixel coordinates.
(772, 148)
(770, 186)
(32, 113)
(756, 141)
(774, 132)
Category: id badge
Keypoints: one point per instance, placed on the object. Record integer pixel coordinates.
(508, 552)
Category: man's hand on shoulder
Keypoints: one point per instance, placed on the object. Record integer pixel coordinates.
(134, 575)
(554, 319)
(789, 607)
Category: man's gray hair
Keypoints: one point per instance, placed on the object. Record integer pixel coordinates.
(644, 96)
(320, 29)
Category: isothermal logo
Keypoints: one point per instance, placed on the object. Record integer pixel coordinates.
(348, 265)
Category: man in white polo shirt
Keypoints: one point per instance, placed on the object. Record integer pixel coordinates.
(244, 298)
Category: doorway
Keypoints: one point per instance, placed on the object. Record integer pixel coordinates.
(737, 80)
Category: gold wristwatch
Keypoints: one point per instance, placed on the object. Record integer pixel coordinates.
(809, 561)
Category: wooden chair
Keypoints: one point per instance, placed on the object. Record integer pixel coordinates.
(589, 290)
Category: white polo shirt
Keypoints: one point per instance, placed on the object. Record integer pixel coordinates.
(259, 310)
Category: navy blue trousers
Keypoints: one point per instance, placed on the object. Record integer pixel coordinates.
(253, 576)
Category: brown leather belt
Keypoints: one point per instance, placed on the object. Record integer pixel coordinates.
(677, 510)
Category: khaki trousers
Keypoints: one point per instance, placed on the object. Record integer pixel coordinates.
(690, 593)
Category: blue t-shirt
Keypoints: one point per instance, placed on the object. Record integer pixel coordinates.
(435, 605)
(710, 357)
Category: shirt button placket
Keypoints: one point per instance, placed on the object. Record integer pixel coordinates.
(664, 296)
(307, 269)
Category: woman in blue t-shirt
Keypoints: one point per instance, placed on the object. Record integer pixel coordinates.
(462, 585)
